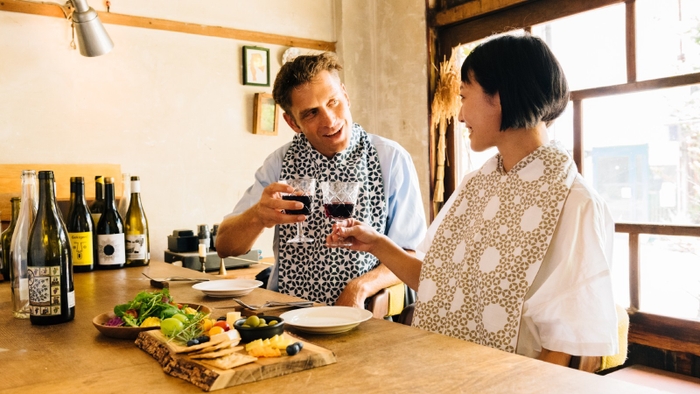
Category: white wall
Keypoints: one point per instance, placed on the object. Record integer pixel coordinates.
(171, 107)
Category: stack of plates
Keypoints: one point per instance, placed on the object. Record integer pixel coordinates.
(227, 288)
(326, 319)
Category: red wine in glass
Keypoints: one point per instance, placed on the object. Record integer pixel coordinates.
(339, 210)
(306, 200)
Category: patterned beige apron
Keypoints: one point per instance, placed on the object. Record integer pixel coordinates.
(488, 249)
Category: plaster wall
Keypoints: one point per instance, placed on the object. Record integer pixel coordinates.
(171, 107)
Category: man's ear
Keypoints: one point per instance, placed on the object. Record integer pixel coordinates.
(291, 122)
(345, 93)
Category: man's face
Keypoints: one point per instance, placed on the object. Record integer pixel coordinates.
(321, 110)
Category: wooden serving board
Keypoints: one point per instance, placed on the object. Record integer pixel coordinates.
(209, 378)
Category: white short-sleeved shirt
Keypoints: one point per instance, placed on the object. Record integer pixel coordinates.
(569, 307)
(406, 224)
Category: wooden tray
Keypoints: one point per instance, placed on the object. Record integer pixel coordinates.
(209, 378)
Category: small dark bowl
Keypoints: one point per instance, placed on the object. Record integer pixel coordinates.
(249, 334)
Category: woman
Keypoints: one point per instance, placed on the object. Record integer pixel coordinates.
(519, 257)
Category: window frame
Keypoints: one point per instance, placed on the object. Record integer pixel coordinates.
(473, 21)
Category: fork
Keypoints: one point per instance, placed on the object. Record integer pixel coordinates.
(268, 304)
(175, 278)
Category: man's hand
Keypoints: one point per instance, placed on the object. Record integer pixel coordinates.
(352, 296)
(270, 209)
(237, 234)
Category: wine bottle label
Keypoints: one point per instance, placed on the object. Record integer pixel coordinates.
(71, 299)
(24, 288)
(44, 290)
(81, 243)
(136, 247)
(110, 250)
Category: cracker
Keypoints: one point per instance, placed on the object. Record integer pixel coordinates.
(230, 361)
(216, 354)
(218, 346)
(230, 335)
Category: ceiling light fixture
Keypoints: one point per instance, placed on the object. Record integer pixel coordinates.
(93, 39)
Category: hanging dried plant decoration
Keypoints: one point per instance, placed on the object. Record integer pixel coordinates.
(444, 109)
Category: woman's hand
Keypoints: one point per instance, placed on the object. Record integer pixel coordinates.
(359, 235)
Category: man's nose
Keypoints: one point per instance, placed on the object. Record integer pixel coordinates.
(327, 117)
(459, 115)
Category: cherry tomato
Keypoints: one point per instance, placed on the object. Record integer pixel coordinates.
(223, 324)
(132, 312)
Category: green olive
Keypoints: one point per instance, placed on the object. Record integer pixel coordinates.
(252, 321)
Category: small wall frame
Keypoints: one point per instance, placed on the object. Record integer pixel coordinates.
(265, 114)
(256, 66)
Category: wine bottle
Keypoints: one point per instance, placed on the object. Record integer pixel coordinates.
(123, 206)
(136, 228)
(110, 232)
(81, 228)
(50, 262)
(19, 247)
(6, 238)
(99, 204)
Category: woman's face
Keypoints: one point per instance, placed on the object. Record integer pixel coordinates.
(481, 114)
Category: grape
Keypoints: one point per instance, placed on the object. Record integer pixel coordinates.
(171, 326)
(294, 348)
(181, 317)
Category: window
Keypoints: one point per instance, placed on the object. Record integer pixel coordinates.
(638, 141)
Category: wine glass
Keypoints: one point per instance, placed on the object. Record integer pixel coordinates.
(304, 190)
(339, 199)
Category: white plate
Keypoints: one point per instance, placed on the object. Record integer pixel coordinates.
(227, 288)
(326, 319)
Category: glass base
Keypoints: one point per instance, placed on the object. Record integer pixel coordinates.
(20, 315)
(299, 240)
(339, 244)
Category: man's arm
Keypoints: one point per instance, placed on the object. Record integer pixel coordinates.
(359, 289)
(238, 233)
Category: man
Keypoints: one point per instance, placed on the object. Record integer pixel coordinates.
(328, 146)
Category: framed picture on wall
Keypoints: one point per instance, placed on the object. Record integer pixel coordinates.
(265, 114)
(256, 66)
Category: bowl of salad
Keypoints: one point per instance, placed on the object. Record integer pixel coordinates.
(143, 313)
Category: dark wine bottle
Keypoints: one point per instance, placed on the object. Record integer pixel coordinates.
(49, 262)
(136, 229)
(110, 233)
(6, 238)
(99, 204)
(81, 228)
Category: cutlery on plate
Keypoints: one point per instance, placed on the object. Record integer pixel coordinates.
(271, 304)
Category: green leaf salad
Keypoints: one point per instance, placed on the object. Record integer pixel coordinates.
(146, 304)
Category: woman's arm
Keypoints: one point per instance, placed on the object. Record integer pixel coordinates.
(558, 358)
(364, 238)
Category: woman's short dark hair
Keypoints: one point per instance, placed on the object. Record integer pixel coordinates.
(526, 75)
(301, 71)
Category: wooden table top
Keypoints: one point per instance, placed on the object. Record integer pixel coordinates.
(377, 356)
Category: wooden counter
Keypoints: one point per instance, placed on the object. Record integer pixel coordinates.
(377, 356)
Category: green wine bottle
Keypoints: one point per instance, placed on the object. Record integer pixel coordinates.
(110, 233)
(136, 228)
(49, 261)
(81, 228)
(6, 238)
(99, 204)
